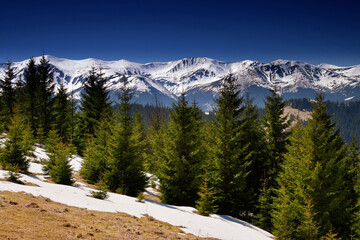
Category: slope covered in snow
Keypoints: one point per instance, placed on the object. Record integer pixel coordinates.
(200, 77)
(217, 226)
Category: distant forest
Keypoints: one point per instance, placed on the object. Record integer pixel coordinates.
(345, 115)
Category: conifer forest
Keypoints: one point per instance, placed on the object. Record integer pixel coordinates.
(295, 179)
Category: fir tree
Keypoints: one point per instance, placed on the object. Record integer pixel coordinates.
(8, 95)
(96, 157)
(206, 203)
(263, 218)
(227, 156)
(58, 165)
(95, 103)
(316, 169)
(125, 174)
(13, 155)
(46, 89)
(62, 110)
(255, 152)
(31, 105)
(277, 137)
(183, 155)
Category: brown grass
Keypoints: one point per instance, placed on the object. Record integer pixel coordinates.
(23, 216)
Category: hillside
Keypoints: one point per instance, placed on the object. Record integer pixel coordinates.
(217, 226)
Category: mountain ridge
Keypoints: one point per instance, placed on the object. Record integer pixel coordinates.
(200, 78)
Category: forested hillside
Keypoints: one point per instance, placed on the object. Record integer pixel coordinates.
(346, 115)
(297, 182)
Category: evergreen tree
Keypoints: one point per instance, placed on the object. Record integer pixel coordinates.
(62, 110)
(46, 89)
(95, 103)
(8, 95)
(31, 105)
(183, 155)
(125, 174)
(255, 152)
(316, 169)
(263, 218)
(277, 137)
(13, 155)
(206, 203)
(227, 156)
(97, 153)
(58, 165)
(155, 137)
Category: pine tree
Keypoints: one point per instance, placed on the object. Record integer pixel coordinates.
(46, 89)
(277, 137)
(308, 228)
(95, 103)
(227, 156)
(58, 165)
(125, 174)
(61, 171)
(183, 155)
(13, 155)
(8, 95)
(96, 157)
(263, 218)
(255, 152)
(206, 203)
(31, 105)
(62, 112)
(316, 169)
(155, 137)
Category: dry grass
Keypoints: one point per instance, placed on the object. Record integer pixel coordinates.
(23, 216)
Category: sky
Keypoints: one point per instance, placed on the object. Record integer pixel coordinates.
(158, 31)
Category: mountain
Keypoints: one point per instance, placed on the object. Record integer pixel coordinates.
(201, 78)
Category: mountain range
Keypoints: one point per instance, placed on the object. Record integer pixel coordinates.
(201, 78)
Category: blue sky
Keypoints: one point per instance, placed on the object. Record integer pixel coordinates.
(146, 31)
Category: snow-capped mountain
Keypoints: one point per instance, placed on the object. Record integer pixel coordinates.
(200, 78)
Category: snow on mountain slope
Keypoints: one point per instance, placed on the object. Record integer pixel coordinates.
(201, 76)
(217, 226)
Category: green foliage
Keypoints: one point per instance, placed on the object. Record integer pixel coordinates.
(17, 145)
(140, 197)
(227, 155)
(62, 111)
(95, 103)
(206, 203)
(316, 169)
(7, 95)
(97, 153)
(58, 165)
(125, 174)
(13, 174)
(183, 155)
(276, 125)
(101, 190)
(263, 218)
(46, 90)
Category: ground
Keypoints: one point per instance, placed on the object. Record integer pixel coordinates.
(24, 216)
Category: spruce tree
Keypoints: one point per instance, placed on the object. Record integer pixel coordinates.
(276, 125)
(46, 89)
(316, 169)
(31, 105)
(8, 95)
(13, 155)
(97, 152)
(58, 165)
(62, 112)
(125, 174)
(255, 152)
(183, 155)
(95, 103)
(227, 153)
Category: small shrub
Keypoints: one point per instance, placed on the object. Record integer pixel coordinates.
(13, 174)
(101, 191)
(141, 198)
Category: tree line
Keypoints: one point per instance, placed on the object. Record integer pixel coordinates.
(299, 183)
